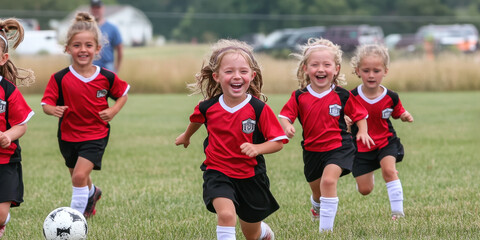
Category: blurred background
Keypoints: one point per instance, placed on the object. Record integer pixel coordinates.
(165, 41)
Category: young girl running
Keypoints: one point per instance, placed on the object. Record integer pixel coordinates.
(370, 63)
(14, 115)
(241, 128)
(77, 95)
(320, 105)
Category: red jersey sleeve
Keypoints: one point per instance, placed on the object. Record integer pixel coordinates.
(119, 88)
(398, 110)
(50, 95)
(290, 109)
(354, 109)
(270, 126)
(197, 116)
(20, 112)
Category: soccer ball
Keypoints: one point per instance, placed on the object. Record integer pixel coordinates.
(65, 224)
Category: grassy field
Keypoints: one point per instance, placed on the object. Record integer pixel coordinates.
(153, 189)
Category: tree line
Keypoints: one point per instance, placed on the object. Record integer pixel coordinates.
(207, 20)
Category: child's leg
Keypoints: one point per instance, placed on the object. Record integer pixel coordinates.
(329, 199)
(365, 183)
(394, 186)
(315, 199)
(226, 218)
(4, 213)
(80, 178)
(257, 231)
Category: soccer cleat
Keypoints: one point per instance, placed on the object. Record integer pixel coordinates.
(315, 214)
(397, 215)
(2, 231)
(90, 209)
(269, 235)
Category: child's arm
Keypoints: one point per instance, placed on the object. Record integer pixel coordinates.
(56, 111)
(406, 117)
(12, 134)
(252, 150)
(287, 127)
(184, 138)
(362, 134)
(108, 114)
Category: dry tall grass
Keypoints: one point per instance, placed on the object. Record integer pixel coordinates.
(167, 69)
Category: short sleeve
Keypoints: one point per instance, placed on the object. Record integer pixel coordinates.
(290, 109)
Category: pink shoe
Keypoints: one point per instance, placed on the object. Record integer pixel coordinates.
(315, 215)
(397, 215)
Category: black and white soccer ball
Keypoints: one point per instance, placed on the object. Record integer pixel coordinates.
(65, 224)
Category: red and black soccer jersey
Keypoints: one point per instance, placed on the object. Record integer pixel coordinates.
(85, 98)
(251, 121)
(379, 111)
(322, 116)
(13, 111)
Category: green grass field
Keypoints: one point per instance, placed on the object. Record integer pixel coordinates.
(152, 189)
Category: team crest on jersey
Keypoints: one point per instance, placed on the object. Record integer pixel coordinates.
(335, 110)
(102, 93)
(387, 113)
(3, 106)
(248, 126)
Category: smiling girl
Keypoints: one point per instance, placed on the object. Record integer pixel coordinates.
(320, 105)
(77, 95)
(241, 128)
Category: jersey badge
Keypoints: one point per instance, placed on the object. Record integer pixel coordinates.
(3, 106)
(387, 113)
(335, 110)
(102, 93)
(248, 126)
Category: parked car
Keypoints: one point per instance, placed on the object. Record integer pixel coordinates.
(460, 37)
(350, 36)
(39, 42)
(282, 42)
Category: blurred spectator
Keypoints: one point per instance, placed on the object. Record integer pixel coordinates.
(108, 58)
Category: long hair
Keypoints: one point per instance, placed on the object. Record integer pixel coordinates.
(312, 45)
(208, 87)
(12, 33)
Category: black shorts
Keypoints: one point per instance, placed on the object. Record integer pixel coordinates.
(91, 150)
(366, 162)
(11, 183)
(315, 162)
(251, 196)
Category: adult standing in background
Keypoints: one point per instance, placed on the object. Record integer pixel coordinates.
(108, 58)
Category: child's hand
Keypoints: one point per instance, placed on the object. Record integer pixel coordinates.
(59, 111)
(5, 140)
(290, 131)
(406, 117)
(349, 123)
(249, 149)
(366, 139)
(107, 114)
(182, 139)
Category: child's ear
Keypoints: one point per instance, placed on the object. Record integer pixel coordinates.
(215, 76)
(4, 59)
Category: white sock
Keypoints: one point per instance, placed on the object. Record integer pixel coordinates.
(225, 233)
(328, 210)
(79, 198)
(91, 191)
(315, 205)
(395, 194)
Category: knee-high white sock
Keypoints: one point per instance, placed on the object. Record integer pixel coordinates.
(328, 210)
(225, 233)
(91, 191)
(79, 198)
(395, 194)
(315, 205)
